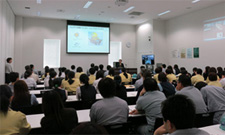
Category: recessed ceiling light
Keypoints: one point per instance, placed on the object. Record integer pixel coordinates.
(38, 1)
(88, 4)
(164, 13)
(38, 13)
(60, 10)
(195, 1)
(27, 7)
(130, 8)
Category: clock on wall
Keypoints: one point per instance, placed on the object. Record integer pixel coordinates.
(128, 44)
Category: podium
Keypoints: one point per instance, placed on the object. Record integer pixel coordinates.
(129, 70)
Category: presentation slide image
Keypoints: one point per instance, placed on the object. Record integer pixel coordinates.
(95, 38)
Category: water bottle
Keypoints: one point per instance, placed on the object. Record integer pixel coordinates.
(222, 122)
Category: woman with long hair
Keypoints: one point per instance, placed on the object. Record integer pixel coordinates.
(56, 83)
(111, 73)
(86, 92)
(57, 119)
(31, 83)
(72, 83)
(53, 75)
(125, 77)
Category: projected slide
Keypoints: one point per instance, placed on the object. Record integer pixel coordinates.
(87, 39)
(214, 29)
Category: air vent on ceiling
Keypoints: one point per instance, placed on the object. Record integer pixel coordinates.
(136, 13)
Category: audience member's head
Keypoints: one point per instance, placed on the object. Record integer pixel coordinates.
(169, 71)
(219, 69)
(27, 67)
(117, 79)
(96, 68)
(163, 65)
(178, 113)
(84, 79)
(111, 72)
(223, 74)
(27, 74)
(150, 84)
(89, 129)
(200, 85)
(175, 66)
(108, 67)
(5, 95)
(183, 81)
(207, 69)
(13, 77)
(101, 67)
(73, 67)
(52, 74)
(199, 71)
(9, 60)
(66, 74)
(92, 71)
(212, 76)
(57, 83)
(51, 69)
(170, 67)
(162, 77)
(158, 70)
(147, 74)
(79, 69)
(63, 69)
(212, 69)
(107, 87)
(142, 72)
(31, 66)
(99, 74)
(194, 69)
(92, 65)
(142, 67)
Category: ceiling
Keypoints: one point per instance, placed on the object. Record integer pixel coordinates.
(107, 10)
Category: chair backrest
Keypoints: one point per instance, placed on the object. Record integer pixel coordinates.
(204, 119)
(158, 123)
(117, 128)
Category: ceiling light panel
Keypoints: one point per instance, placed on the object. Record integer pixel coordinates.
(88, 4)
(130, 8)
(163, 13)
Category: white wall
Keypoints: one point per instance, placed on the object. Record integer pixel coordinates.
(7, 22)
(31, 32)
(187, 32)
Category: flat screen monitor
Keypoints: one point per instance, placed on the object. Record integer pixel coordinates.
(88, 37)
(148, 59)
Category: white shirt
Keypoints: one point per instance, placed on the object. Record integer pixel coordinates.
(95, 84)
(35, 77)
(222, 81)
(30, 82)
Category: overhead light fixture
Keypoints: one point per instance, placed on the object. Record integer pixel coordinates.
(38, 1)
(77, 17)
(130, 8)
(88, 4)
(38, 13)
(195, 1)
(164, 13)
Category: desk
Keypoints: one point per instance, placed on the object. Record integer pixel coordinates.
(83, 116)
(213, 130)
(42, 86)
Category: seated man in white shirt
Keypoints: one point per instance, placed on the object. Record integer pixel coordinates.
(178, 114)
(222, 81)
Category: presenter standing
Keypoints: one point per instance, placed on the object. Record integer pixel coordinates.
(8, 69)
(119, 64)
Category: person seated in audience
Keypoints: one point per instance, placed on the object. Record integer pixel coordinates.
(197, 77)
(141, 68)
(194, 71)
(12, 122)
(96, 69)
(110, 110)
(57, 119)
(91, 66)
(149, 101)
(53, 75)
(101, 67)
(157, 71)
(170, 75)
(13, 77)
(79, 72)
(46, 74)
(62, 73)
(107, 72)
(22, 98)
(170, 67)
(64, 81)
(212, 70)
(27, 67)
(219, 72)
(72, 83)
(35, 77)
(125, 77)
(89, 128)
(200, 85)
(121, 91)
(214, 97)
(168, 88)
(73, 68)
(86, 92)
(32, 68)
(176, 68)
(164, 68)
(46, 78)
(178, 115)
(206, 72)
(184, 87)
(222, 81)
(213, 80)
(31, 83)
(99, 76)
(182, 70)
(111, 74)
(92, 76)
(139, 82)
(56, 85)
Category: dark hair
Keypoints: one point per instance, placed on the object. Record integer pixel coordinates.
(200, 85)
(92, 65)
(169, 71)
(84, 79)
(27, 74)
(158, 70)
(212, 69)
(101, 67)
(223, 73)
(71, 75)
(5, 94)
(79, 69)
(60, 71)
(111, 72)
(184, 72)
(182, 69)
(212, 76)
(46, 70)
(164, 65)
(31, 66)
(99, 74)
(162, 77)
(107, 87)
(175, 66)
(194, 69)
(117, 79)
(108, 67)
(219, 69)
(170, 67)
(150, 84)
(73, 67)
(147, 74)
(89, 128)
(92, 71)
(27, 67)
(52, 75)
(66, 74)
(96, 68)
(199, 71)
(185, 80)
(207, 69)
(51, 69)
(57, 82)
(177, 109)
(52, 105)
(63, 69)
(8, 59)
(142, 67)
(13, 76)
(125, 72)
